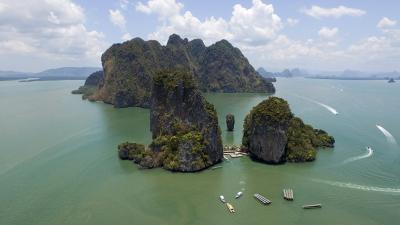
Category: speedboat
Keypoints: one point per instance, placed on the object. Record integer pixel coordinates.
(222, 198)
(239, 194)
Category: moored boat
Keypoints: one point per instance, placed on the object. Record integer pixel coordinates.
(222, 198)
(239, 194)
(288, 194)
(216, 167)
(312, 206)
(230, 207)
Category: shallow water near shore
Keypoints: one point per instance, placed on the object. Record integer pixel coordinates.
(58, 161)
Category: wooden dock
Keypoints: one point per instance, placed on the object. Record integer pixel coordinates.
(262, 199)
(288, 194)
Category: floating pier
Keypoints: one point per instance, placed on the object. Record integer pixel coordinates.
(234, 151)
(312, 206)
(288, 194)
(262, 199)
(235, 154)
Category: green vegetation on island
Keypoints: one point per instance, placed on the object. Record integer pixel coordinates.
(274, 135)
(129, 69)
(91, 84)
(186, 135)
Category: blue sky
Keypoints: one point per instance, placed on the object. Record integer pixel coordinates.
(314, 35)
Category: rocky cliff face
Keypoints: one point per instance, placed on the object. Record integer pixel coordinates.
(129, 67)
(186, 135)
(273, 135)
(95, 79)
(265, 130)
(92, 83)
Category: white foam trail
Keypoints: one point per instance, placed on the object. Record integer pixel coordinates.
(368, 154)
(332, 110)
(329, 108)
(358, 187)
(387, 134)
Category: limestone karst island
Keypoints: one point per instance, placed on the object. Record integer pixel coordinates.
(185, 112)
(186, 135)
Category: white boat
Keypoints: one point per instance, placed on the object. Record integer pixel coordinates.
(239, 194)
(221, 197)
(313, 206)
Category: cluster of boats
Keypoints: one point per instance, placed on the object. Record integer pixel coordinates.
(287, 195)
(228, 205)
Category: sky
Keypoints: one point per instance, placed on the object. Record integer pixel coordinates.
(314, 35)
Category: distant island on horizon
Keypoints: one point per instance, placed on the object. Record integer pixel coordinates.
(62, 73)
(334, 75)
(82, 73)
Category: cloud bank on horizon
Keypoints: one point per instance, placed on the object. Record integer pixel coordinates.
(42, 33)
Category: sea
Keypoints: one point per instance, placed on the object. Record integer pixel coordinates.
(59, 161)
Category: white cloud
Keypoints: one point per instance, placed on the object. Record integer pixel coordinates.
(53, 30)
(292, 22)
(319, 12)
(117, 18)
(52, 18)
(2, 7)
(264, 43)
(126, 37)
(123, 4)
(386, 22)
(164, 8)
(15, 46)
(327, 32)
(244, 26)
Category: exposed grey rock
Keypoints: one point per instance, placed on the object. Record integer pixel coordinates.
(129, 68)
(265, 130)
(230, 122)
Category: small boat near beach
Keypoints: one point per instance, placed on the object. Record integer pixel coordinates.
(216, 167)
(312, 206)
(230, 207)
(222, 198)
(288, 194)
(238, 195)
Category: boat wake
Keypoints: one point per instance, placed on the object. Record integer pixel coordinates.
(358, 187)
(329, 108)
(387, 134)
(368, 154)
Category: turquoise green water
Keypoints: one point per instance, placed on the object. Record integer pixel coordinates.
(58, 161)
